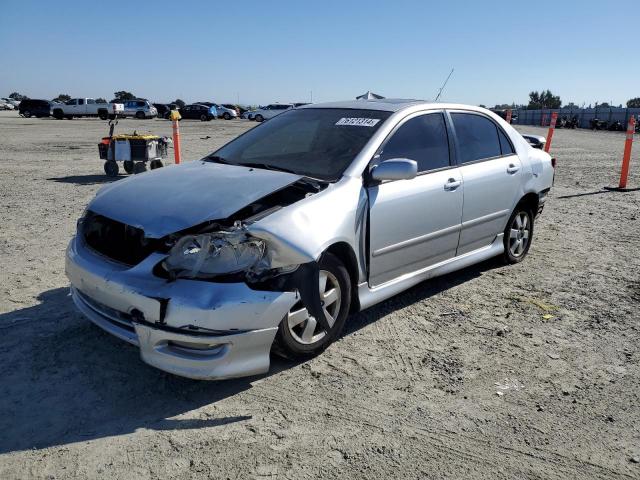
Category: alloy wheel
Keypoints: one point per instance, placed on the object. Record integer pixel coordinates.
(519, 235)
(303, 327)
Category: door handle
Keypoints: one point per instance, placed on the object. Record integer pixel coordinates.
(512, 168)
(452, 184)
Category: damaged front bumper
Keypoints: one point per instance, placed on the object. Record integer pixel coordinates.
(191, 328)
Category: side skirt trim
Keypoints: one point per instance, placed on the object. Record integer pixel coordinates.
(369, 296)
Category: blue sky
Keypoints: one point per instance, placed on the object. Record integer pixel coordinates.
(266, 51)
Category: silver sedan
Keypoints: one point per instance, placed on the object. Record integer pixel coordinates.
(271, 241)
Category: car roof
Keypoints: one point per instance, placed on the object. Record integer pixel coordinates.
(390, 105)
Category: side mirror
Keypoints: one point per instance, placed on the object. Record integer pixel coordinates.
(395, 169)
(536, 141)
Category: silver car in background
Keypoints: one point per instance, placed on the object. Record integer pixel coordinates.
(225, 113)
(265, 113)
(272, 240)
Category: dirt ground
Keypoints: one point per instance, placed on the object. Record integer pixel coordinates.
(522, 372)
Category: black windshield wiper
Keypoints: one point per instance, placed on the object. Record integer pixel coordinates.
(266, 166)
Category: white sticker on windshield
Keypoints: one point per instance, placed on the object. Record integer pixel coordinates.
(358, 122)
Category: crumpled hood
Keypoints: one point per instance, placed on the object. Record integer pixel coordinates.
(170, 199)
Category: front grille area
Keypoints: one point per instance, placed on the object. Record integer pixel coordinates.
(115, 240)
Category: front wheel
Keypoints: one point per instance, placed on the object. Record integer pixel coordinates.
(203, 118)
(140, 115)
(259, 118)
(226, 116)
(26, 114)
(518, 235)
(299, 334)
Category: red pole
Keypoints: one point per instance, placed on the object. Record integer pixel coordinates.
(552, 126)
(626, 157)
(176, 141)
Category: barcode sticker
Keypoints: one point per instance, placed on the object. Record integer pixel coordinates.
(358, 122)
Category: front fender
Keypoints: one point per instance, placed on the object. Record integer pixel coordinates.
(301, 232)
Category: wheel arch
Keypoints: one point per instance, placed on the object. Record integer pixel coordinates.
(344, 252)
(530, 200)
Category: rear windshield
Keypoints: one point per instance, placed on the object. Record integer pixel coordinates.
(315, 142)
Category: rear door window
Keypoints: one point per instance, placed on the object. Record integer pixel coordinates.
(477, 137)
(423, 139)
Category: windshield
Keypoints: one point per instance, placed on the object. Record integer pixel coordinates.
(315, 142)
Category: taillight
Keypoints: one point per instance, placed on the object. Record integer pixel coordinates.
(553, 162)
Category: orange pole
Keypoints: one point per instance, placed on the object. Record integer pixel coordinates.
(626, 157)
(176, 141)
(508, 119)
(552, 126)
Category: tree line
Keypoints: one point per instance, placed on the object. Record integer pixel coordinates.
(543, 99)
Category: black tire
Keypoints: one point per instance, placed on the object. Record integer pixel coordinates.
(103, 115)
(111, 168)
(226, 116)
(139, 167)
(69, 117)
(203, 118)
(140, 115)
(128, 166)
(58, 115)
(259, 118)
(112, 116)
(286, 343)
(156, 164)
(511, 254)
(26, 114)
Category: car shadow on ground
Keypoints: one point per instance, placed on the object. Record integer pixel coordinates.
(66, 380)
(86, 179)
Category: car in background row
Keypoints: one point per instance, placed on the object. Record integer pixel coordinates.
(221, 111)
(138, 108)
(80, 107)
(31, 107)
(164, 109)
(270, 111)
(226, 112)
(10, 101)
(199, 111)
(6, 106)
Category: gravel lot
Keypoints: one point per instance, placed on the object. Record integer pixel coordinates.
(521, 372)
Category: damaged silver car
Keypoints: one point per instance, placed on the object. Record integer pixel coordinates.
(272, 240)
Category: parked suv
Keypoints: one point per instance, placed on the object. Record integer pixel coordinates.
(36, 108)
(138, 108)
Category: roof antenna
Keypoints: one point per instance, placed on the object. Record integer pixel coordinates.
(443, 85)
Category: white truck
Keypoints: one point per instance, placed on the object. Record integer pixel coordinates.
(81, 107)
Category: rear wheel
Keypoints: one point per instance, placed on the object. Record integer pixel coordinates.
(155, 164)
(518, 235)
(140, 115)
(26, 114)
(259, 118)
(128, 166)
(299, 334)
(203, 118)
(226, 116)
(103, 115)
